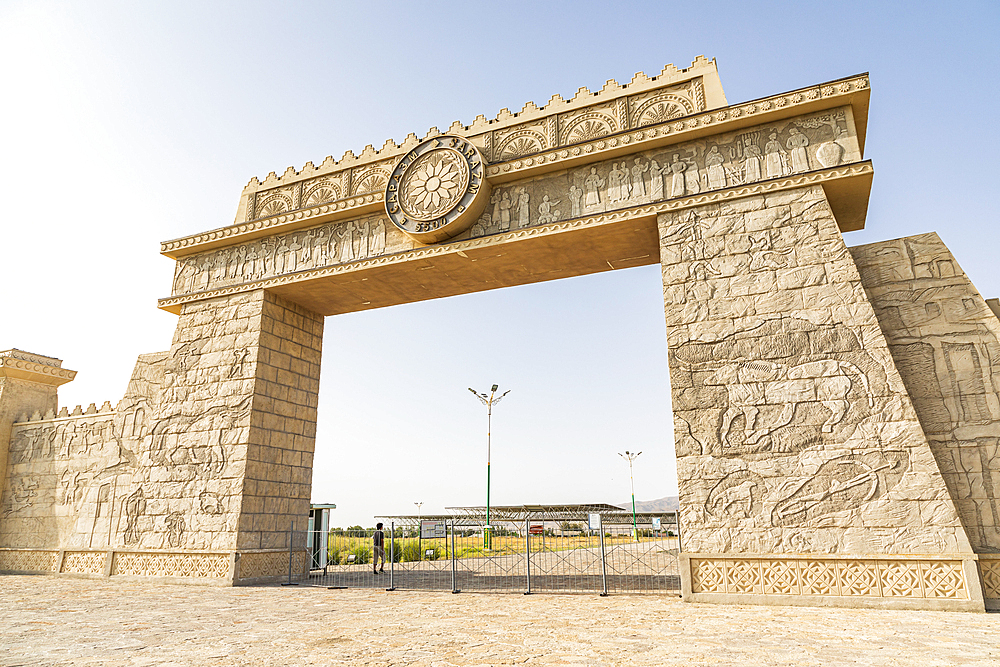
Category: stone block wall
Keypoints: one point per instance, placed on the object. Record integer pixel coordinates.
(209, 451)
(278, 475)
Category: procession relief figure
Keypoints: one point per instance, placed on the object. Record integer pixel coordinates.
(222, 265)
(307, 248)
(655, 180)
(294, 246)
(592, 188)
(627, 186)
(576, 201)
(281, 256)
(638, 180)
(615, 183)
(677, 181)
(774, 157)
(237, 261)
(796, 144)
(378, 238)
(363, 233)
(505, 212)
(251, 268)
(751, 158)
(545, 211)
(322, 249)
(347, 243)
(495, 200)
(523, 211)
(716, 172)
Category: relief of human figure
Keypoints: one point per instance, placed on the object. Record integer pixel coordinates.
(716, 172)
(796, 144)
(774, 157)
(546, 212)
(495, 200)
(751, 160)
(615, 177)
(222, 265)
(267, 257)
(677, 168)
(364, 231)
(251, 270)
(638, 180)
(592, 188)
(655, 180)
(378, 238)
(347, 243)
(307, 248)
(576, 201)
(281, 256)
(292, 260)
(237, 262)
(505, 212)
(626, 181)
(322, 249)
(523, 219)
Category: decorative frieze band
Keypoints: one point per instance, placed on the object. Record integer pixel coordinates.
(651, 210)
(15, 366)
(298, 203)
(842, 577)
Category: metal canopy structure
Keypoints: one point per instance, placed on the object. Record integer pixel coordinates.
(474, 516)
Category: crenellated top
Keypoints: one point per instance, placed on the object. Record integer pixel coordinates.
(675, 106)
(356, 181)
(65, 413)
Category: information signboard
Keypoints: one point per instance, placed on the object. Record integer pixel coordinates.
(431, 529)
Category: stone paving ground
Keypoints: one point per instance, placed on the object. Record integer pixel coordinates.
(63, 621)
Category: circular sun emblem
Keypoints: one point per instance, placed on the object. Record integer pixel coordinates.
(437, 190)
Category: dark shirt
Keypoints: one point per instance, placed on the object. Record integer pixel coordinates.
(378, 538)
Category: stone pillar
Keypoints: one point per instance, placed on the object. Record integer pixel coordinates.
(804, 476)
(945, 340)
(28, 384)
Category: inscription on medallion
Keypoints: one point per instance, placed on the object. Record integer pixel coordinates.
(437, 190)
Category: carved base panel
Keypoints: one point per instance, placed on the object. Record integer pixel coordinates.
(944, 583)
(216, 569)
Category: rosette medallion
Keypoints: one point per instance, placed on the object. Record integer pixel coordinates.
(438, 189)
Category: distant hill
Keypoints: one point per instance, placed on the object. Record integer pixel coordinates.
(666, 504)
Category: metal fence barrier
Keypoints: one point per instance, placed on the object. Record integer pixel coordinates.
(523, 557)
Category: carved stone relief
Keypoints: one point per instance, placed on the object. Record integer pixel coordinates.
(792, 429)
(946, 343)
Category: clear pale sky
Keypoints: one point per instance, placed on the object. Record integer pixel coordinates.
(123, 124)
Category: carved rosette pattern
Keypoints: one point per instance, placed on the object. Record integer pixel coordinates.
(197, 566)
(28, 561)
(841, 578)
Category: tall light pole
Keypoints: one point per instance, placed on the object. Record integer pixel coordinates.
(420, 530)
(489, 401)
(631, 456)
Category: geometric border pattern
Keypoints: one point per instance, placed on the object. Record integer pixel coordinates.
(84, 562)
(17, 560)
(259, 564)
(935, 579)
(198, 566)
(989, 569)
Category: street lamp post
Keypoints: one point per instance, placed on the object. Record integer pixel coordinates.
(631, 456)
(489, 401)
(420, 531)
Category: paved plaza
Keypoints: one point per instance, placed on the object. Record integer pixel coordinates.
(62, 621)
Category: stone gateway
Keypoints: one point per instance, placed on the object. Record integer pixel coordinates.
(836, 415)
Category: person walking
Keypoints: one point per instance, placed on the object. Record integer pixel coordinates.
(378, 542)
